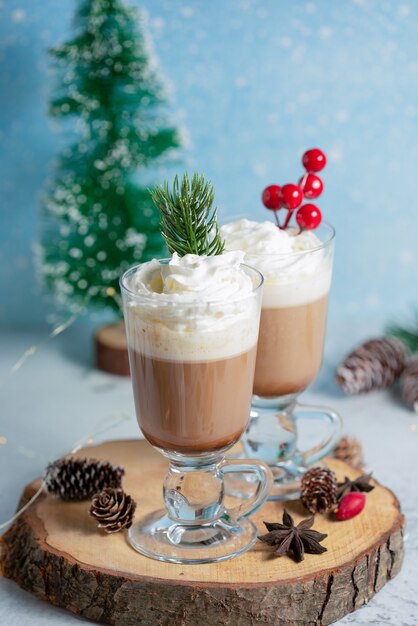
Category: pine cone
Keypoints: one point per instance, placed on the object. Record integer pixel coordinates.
(350, 450)
(80, 479)
(113, 509)
(409, 383)
(318, 490)
(375, 364)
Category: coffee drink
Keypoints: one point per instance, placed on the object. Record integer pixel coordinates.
(297, 276)
(182, 408)
(289, 352)
(192, 334)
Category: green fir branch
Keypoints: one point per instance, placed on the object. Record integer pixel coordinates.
(408, 334)
(188, 221)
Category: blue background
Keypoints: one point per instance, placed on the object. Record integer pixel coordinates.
(255, 83)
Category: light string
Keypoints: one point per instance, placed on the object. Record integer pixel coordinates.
(112, 293)
(23, 508)
(122, 417)
(29, 352)
(57, 330)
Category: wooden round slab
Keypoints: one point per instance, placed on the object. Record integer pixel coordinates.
(112, 349)
(55, 551)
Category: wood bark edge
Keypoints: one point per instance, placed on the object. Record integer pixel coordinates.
(116, 598)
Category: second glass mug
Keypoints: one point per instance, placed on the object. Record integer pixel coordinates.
(289, 356)
(192, 384)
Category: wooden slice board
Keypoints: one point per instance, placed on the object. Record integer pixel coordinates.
(55, 551)
(112, 349)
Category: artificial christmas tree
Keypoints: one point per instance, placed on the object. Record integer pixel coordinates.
(98, 217)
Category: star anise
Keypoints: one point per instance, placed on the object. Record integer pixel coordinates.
(362, 483)
(287, 537)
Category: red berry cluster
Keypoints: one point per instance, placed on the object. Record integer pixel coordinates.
(290, 196)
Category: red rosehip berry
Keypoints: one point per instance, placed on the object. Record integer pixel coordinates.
(311, 185)
(308, 216)
(314, 160)
(291, 196)
(271, 197)
(351, 505)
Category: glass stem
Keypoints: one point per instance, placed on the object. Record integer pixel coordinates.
(194, 491)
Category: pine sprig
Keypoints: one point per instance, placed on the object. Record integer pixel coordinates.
(188, 221)
(407, 334)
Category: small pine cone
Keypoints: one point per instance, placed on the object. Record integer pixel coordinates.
(375, 364)
(80, 479)
(318, 490)
(113, 509)
(350, 451)
(409, 383)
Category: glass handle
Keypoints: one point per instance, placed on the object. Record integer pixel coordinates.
(321, 413)
(263, 486)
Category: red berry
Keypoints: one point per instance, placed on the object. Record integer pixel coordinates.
(271, 197)
(311, 185)
(291, 196)
(309, 216)
(351, 505)
(314, 160)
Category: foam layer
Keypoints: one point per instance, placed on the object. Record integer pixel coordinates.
(223, 339)
(295, 267)
(307, 287)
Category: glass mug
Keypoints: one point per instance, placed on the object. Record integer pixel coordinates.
(192, 367)
(289, 356)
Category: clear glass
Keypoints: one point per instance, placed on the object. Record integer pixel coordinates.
(289, 356)
(192, 367)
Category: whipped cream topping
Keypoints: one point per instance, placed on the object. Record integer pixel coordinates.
(195, 308)
(258, 238)
(194, 278)
(295, 266)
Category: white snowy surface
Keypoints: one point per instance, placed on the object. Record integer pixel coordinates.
(57, 398)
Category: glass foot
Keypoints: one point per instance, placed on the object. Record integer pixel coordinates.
(159, 537)
(286, 481)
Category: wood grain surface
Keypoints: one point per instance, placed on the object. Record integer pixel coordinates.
(56, 552)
